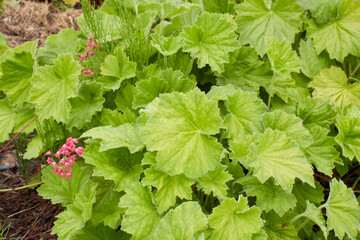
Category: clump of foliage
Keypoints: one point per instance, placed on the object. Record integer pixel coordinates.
(203, 119)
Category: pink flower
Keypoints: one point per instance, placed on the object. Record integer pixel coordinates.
(50, 160)
(79, 151)
(68, 159)
(57, 154)
(48, 153)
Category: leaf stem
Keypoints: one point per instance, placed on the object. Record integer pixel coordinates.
(355, 70)
(271, 90)
(165, 62)
(221, 137)
(206, 201)
(355, 183)
(296, 218)
(302, 225)
(23, 187)
(190, 67)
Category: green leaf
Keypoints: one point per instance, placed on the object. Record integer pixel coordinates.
(210, 40)
(235, 220)
(260, 235)
(349, 133)
(322, 152)
(275, 229)
(176, 81)
(168, 187)
(258, 19)
(221, 92)
(100, 232)
(7, 122)
(340, 36)
(141, 213)
(314, 214)
(149, 158)
(34, 148)
(115, 118)
(165, 45)
(268, 195)
(52, 86)
(125, 135)
(321, 10)
(178, 128)
(77, 214)
(245, 70)
(117, 67)
(332, 83)
(85, 105)
(239, 147)
(106, 208)
(342, 210)
(3, 44)
(316, 112)
(289, 124)
(183, 222)
(245, 109)
(24, 115)
(115, 164)
(278, 156)
(218, 6)
(62, 190)
(283, 60)
(215, 182)
(124, 97)
(147, 90)
(311, 63)
(165, 9)
(304, 192)
(26, 47)
(15, 78)
(64, 42)
(186, 18)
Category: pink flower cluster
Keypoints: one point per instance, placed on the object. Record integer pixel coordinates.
(87, 71)
(92, 45)
(67, 155)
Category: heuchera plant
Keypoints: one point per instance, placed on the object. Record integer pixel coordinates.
(195, 119)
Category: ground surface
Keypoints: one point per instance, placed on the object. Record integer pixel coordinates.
(29, 215)
(35, 20)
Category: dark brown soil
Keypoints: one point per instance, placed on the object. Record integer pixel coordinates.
(29, 215)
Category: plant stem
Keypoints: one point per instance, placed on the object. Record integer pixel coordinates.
(355, 70)
(221, 137)
(302, 225)
(271, 90)
(165, 62)
(206, 200)
(296, 218)
(190, 67)
(356, 182)
(23, 187)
